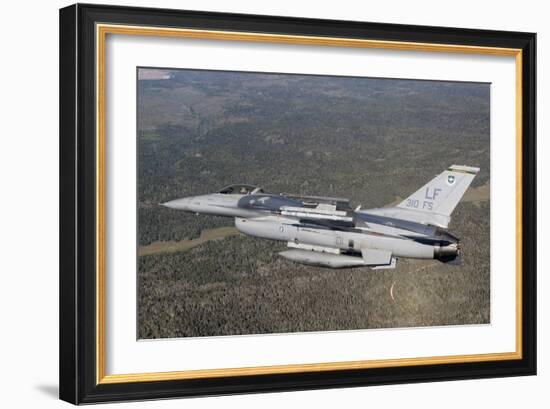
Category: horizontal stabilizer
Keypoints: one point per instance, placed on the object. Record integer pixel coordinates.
(454, 261)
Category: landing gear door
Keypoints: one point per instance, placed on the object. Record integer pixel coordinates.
(373, 257)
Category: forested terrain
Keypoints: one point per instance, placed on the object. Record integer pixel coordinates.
(370, 140)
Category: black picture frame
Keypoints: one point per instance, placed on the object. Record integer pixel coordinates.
(78, 238)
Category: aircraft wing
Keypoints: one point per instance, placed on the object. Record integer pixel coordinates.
(312, 201)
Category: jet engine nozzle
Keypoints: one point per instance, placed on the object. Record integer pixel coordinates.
(446, 251)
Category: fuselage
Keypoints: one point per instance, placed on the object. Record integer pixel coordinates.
(323, 231)
(216, 204)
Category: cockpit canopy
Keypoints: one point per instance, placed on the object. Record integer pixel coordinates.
(240, 190)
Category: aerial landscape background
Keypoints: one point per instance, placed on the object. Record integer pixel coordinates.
(374, 141)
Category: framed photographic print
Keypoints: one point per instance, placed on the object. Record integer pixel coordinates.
(258, 203)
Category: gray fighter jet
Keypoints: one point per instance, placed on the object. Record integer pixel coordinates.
(326, 231)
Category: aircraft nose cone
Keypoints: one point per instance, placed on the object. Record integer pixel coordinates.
(179, 204)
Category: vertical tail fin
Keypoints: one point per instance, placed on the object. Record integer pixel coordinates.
(441, 194)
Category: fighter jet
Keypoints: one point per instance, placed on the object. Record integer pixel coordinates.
(328, 232)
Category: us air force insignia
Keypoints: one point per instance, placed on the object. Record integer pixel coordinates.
(451, 179)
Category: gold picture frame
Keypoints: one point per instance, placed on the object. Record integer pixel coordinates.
(98, 20)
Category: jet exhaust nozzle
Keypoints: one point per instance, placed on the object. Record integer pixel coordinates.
(447, 251)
